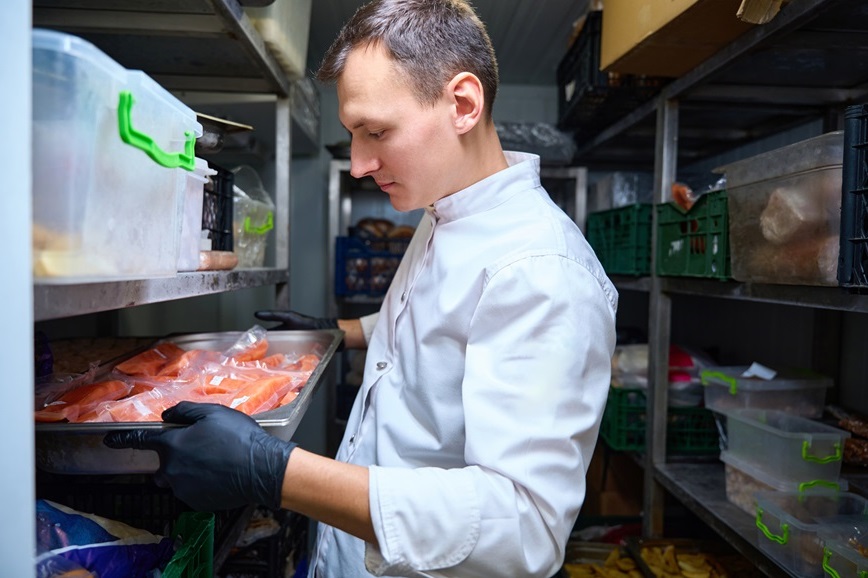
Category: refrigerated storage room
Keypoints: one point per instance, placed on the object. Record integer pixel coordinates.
(174, 167)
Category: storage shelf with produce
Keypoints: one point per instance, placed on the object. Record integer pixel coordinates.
(194, 48)
(802, 67)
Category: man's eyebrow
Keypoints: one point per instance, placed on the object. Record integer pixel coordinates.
(362, 122)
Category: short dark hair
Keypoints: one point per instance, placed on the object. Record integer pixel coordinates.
(430, 40)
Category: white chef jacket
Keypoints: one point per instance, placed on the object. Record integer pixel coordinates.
(487, 373)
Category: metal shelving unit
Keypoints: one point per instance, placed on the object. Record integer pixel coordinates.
(806, 64)
(185, 45)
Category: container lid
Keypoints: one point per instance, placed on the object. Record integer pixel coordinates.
(139, 81)
(787, 378)
(804, 488)
(75, 47)
(811, 510)
(826, 150)
(784, 424)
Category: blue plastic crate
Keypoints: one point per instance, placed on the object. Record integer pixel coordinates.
(366, 267)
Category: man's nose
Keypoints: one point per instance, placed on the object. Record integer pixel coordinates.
(362, 160)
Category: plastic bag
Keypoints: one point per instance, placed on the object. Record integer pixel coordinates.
(253, 217)
(67, 539)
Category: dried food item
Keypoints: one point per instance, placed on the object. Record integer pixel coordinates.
(792, 214)
(855, 452)
(616, 565)
(666, 561)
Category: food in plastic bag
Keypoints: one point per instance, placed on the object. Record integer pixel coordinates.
(253, 217)
(68, 540)
(243, 377)
(630, 370)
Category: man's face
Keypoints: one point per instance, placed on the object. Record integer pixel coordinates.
(410, 149)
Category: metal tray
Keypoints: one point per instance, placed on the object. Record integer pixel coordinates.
(77, 448)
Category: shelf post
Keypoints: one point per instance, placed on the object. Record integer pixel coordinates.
(659, 324)
(282, 194)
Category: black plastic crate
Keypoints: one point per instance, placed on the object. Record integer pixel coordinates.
(217, 209)
(589, 99)
(128, 499)
(853, 256)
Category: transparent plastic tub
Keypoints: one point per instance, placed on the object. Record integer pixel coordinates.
(785, 213)
(789, 524)
(191, 216)
(795, 391)
(845, 548)
(110, 149)
(744, 481)
(790, 447)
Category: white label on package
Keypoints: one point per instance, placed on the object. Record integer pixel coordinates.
(217, 379)
(760, 371)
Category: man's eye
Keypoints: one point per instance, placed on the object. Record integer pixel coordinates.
(377, 134)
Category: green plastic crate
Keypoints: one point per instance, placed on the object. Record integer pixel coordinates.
(689, 430)
(694, 243)
(621, 238)
(195, 556)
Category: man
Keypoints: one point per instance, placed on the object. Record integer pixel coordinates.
(489, 362)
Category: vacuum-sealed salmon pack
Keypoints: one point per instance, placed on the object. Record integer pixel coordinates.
(269, 375)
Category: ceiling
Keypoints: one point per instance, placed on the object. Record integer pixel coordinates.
(529, 36)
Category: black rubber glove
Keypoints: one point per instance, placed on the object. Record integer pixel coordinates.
(293, 320)
(222, 460)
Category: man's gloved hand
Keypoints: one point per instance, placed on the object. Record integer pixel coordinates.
(292, 320)
(222, 460)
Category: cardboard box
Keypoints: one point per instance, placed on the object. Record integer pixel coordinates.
(666, 37)
(614, 484)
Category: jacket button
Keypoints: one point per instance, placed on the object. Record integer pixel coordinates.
(352, 439)
(403, 296)
(381, 365)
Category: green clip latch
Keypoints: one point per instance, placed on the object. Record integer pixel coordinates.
(269, 225)
(733, 384)
(822, 483)
(782, 540)
(827, 555)
(185, 160)
(836, 457)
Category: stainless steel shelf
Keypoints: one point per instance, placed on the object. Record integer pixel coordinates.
(834, 298)
(197, 45)
(812, 58)
(701, 489)
(56, 301)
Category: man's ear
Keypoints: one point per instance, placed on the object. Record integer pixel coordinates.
(468, 99)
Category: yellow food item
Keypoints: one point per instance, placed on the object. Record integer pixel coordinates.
(667, 562)
(615, 566)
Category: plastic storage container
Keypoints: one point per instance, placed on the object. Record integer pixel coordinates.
(366, 267)
(191, 218)
(744, 480)
(285, 27)
(217, 210)
(853, 265)
(110, 152)
(797, 392)
(621, 238)
(790, 447)
(589, 99)
(788, 526)
(845, 548)
(694, 243)
(785, 213)
(689, 430)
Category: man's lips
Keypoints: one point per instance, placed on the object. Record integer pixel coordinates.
(384, 185)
